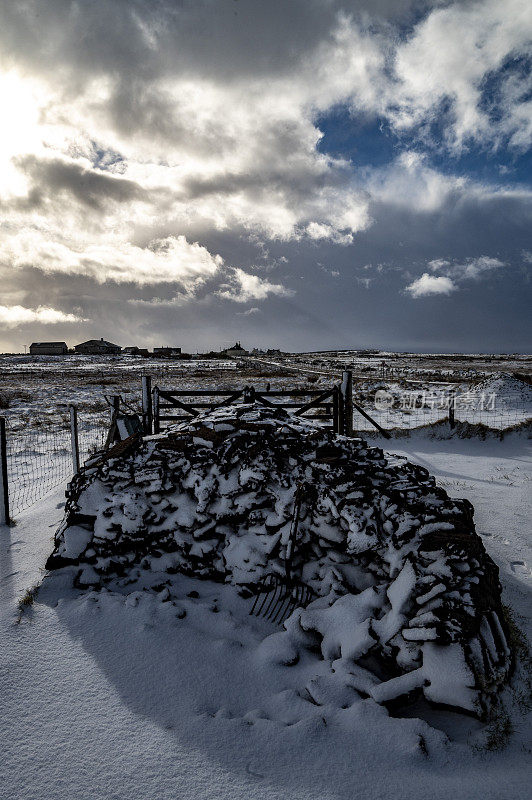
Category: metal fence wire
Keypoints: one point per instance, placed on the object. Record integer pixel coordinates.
(398, 412)
(39, 458)
(39, 449)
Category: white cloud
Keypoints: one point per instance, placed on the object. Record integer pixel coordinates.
(245, 287)
(172, 259)
(409, 181)
(250, 312)
(472, 269)
(448, 57)
(428, 285)
(13, 316)
(365, 282)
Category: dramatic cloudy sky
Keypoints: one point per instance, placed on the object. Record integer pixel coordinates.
(301, 174)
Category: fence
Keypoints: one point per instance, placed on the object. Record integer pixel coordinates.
(38, 454)
(403, 410)
(389, 410)
(36, 458)
(332, 406)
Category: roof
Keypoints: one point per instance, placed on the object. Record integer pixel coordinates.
(98, 342)
(48, 344)
(236, 346)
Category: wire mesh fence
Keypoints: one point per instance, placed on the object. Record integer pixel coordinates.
(39, 457)
(39, 447)
(396, 410)
(90, 440)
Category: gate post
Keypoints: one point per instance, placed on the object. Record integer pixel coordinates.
(156, 420)
(346, 401)
(452, 403)
(147, 416)
(74, 438)
(4, 488)
(336, 410)
(249, 394)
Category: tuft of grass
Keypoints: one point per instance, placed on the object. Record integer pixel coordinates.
(522, 695)
(27, 600)
(518, 639)
(499, 731)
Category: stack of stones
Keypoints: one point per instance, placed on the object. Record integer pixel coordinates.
(214, 498)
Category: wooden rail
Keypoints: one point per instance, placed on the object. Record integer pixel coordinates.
(332, 406)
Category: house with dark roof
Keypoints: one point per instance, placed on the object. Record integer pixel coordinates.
(236, 350)
(48, 349)
(97, 347)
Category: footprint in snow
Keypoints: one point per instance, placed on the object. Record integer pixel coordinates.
(519, 567)
(252, 773)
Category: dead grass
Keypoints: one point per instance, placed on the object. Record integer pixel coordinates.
(26, 601)
(499, 731)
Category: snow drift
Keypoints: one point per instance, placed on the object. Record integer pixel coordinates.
(501, 393)
(408, 601)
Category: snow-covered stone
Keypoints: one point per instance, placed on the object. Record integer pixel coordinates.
(405, 590)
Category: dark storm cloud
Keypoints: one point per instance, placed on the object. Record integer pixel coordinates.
(91, 188)
(165, 37)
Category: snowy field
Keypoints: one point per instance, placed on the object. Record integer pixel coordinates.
(401, 392)
(115, 696)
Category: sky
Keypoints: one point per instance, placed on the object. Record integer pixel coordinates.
(297, 174)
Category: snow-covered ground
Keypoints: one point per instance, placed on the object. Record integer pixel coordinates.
(122, 696)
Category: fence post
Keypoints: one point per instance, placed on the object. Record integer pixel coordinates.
(249, 394)
(74, 438)
(156, 420)
(4, 488)
(346, 390)
(336, 420)
(147, 416)
(452, 402)
(115, 406)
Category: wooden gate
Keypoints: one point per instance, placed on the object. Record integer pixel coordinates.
(332, 406)
(171, 406)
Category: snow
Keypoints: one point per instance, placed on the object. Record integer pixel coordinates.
(129, 696)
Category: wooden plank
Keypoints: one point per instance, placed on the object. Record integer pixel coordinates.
(185, 406)
(229, 400)
(376, 424)
(323, 396)
(176, 417)
(196, 405)
(224, 392)
(292, 392)
(291, 405)
(169, 393)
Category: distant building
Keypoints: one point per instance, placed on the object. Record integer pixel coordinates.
(236, 350)
(48, 349)
(97, 347)
(135, 351)
(166, 351)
